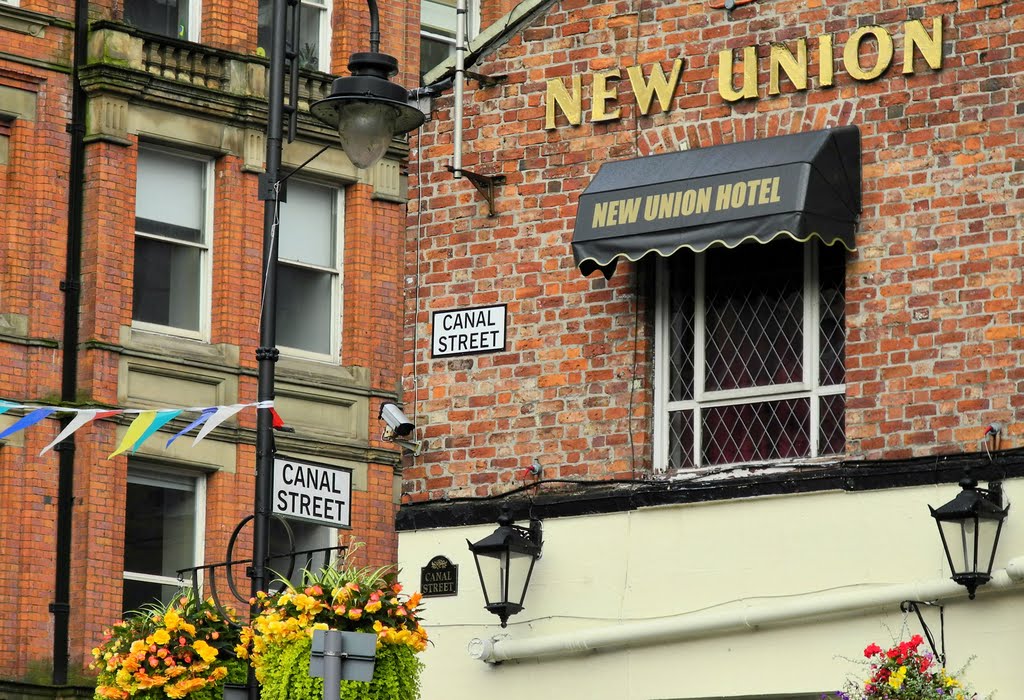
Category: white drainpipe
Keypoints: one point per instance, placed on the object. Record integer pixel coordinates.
(750, 617)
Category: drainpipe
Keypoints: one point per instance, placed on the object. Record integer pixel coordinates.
(747, 618)
(71, 286)
(460, 78)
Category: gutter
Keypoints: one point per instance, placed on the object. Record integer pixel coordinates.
(748, 618)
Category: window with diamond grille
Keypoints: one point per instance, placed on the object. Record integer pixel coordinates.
(750, 352)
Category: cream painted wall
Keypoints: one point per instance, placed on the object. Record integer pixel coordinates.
(672, 561)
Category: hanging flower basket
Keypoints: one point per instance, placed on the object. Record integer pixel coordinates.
(347, 599)
(903, 672)
(182, 650)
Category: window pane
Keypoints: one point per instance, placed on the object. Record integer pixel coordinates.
(159, 529)
(832, 425)
(754, 316)
(681, 329)
(265, 11)
(433, 52)
(307, 225)
(756, 431)
(307, 536)
(165, 17)
(310, 17)
(832, 334)
(167, 284)
(681, 440)
(309, 37)
(304, 309)
(170, 191)
(136, 594)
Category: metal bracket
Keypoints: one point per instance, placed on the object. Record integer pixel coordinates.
(484, 184)
(485, 81)
(915, 605)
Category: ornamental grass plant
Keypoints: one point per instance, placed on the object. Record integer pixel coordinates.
(904, 672)
(183, 649)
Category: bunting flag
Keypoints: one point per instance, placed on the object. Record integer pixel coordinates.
(146, 423)
(77, 422)
(27, 421)
(219, 416)
(207, 412)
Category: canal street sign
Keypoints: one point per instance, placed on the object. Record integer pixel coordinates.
(468, 331)
(439, 578)
(317, 493)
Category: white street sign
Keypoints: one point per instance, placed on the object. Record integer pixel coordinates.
(317, 493)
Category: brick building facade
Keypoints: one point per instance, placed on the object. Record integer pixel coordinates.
(732, 412)
(167, 262)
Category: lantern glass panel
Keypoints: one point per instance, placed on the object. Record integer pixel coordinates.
(959, 536)
(988, 533)
(504, 576)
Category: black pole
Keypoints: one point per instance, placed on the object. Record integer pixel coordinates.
(71, 286)
(374, 26)
(267, 353)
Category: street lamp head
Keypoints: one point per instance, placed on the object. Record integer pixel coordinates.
(504, 561)
(969, 526)
(367, 108)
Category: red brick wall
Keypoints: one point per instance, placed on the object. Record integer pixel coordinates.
(933, 292)
(33, 224)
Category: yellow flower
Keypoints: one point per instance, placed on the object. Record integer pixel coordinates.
(161, 637)
(171, 619)
(204, 650)
(896, 679)
(373, 606)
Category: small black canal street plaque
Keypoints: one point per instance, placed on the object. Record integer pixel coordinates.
(439, 578)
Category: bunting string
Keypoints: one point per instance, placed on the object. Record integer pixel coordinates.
(147, 421)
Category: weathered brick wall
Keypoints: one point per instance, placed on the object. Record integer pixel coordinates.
(933, 310)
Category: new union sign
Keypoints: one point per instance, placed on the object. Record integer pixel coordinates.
(317, 493)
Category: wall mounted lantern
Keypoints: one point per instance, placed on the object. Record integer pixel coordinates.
(969, 526)
(367, 108)
(504, 561)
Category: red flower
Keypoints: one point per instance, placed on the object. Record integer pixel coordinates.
(871, 650)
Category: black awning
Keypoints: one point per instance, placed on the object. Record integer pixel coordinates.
(803, 185)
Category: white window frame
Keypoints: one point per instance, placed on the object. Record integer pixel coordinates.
(195, 19)
(170, 477)
(12, 3)
(206, 248)
(472, 26)
(337, 287)
(326, 10)
(807, 388)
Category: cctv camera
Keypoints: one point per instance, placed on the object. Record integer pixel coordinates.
(392, 415)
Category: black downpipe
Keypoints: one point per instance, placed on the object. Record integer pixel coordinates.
(71, 286)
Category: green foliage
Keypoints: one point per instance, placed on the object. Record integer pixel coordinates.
(396, 674)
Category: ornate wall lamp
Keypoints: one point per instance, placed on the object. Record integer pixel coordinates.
(504, 561)
(970, 525)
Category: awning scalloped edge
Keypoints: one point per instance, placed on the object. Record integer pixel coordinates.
(719, 242)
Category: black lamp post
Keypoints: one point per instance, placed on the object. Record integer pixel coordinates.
(381, 111)
(970, 525)
(367, 108)
(504, 561)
